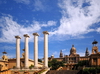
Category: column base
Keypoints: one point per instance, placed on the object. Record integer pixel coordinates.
(45, 67)
(26, 68)
(18, 68)
(35, 67)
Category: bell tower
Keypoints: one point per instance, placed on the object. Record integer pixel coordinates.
(95, 47)
(4, 57)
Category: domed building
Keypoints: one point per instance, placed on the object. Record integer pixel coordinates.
(73, 58)
(70, 59)
(72, 51)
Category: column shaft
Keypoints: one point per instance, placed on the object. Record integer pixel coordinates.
(17, 52)
(35, 50)
(45, 49)
(26, 51)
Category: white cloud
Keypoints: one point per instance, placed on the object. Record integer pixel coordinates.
(49, 23)
(11, 56)
(10, 28)
(7, 47)
(56, 53)
(77, 19)
(23, 1)
(64, 50)
(81, 54)
(98, 30)
(38, 5)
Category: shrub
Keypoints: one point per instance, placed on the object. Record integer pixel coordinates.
(86, 71)
(31, 66)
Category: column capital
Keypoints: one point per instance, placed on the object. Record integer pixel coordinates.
(45, 32)
(18, 37)
(26, 35)
(36, 34)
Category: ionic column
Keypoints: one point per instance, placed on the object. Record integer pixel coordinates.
(17, 52)
(26, 51)
(35, 50)
(45, 48)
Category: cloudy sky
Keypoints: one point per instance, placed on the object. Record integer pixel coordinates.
(68, 22)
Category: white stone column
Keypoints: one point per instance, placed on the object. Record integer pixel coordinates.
(26, 51)
(35, 50)
(45, 48)
(17, 52)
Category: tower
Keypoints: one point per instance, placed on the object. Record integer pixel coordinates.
(61, 54)
(95, 47)
(4, 57)
(86, 52)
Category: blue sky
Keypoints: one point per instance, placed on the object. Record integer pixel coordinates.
(68, 22)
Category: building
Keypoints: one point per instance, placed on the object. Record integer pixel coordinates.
(73, 58)
(6, 63)
(95, 56)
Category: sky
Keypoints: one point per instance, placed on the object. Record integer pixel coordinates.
(69, 22)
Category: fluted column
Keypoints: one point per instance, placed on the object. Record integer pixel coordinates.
(26, 51)
(35, 50)
(45, 48)
(17, 52)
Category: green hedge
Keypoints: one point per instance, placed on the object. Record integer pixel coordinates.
(91, 70)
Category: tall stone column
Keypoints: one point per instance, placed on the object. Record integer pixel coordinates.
(35, 50)
(45, 48)
(17, 52)
(26, 51)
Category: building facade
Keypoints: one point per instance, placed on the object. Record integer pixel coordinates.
(73, 58)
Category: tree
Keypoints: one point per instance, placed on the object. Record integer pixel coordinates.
(98, 69)
(54, 64)
(86, 71)
(39, 60)
(83, 63)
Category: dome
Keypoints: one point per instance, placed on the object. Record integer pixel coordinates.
(5, 58)
(73, 50)
(52, 56)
